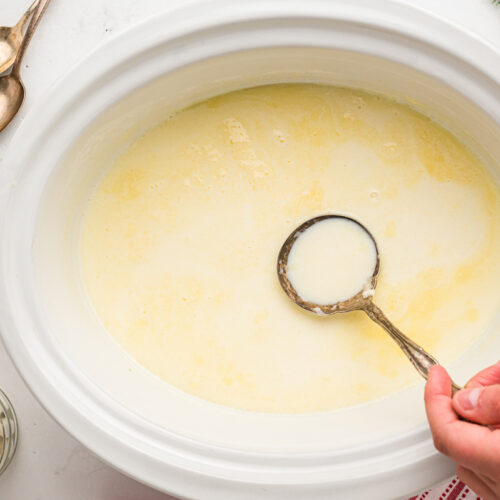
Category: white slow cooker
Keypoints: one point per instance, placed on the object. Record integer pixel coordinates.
(143, 426)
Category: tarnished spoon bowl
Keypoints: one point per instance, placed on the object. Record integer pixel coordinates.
(10, 40)
(11, 98)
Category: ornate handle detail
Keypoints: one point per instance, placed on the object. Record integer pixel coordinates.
(420, 358)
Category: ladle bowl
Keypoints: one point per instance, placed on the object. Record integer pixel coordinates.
(361, 301)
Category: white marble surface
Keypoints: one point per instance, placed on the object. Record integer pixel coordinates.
(51, 465)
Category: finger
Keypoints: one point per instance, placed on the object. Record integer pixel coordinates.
(475, 483)
(481, 404)
(437, 396)
(471, 445)
(488, 376)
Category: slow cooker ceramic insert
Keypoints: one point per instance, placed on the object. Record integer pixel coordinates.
(143, 426)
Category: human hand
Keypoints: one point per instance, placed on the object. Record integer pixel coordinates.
(475, 448)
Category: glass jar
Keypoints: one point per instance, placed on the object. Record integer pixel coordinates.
(8, 432)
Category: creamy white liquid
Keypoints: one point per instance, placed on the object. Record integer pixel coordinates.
(331, 261)
(181, 237)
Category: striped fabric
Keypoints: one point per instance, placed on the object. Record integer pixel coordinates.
(450, 490)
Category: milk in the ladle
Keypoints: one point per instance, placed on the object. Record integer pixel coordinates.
(331, 261)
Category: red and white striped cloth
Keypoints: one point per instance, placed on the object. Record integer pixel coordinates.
(450, 490)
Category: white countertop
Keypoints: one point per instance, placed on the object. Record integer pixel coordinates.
(49, 464)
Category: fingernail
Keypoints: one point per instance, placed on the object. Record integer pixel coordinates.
(467, 399)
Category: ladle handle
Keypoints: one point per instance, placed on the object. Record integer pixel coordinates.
(40, 8)
(420, 358)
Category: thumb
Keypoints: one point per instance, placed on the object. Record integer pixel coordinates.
(481, 404)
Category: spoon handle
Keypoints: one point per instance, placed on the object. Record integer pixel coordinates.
(27, 16)
(420, 358)
(40, 9)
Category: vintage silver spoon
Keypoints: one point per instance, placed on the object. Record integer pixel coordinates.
(12, 37)
(361, 301)
(12, 90)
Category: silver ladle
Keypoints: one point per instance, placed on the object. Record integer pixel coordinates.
(361, 301)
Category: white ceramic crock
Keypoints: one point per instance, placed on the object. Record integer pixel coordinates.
(141, 425)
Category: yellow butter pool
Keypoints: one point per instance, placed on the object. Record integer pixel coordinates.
(181, 236)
